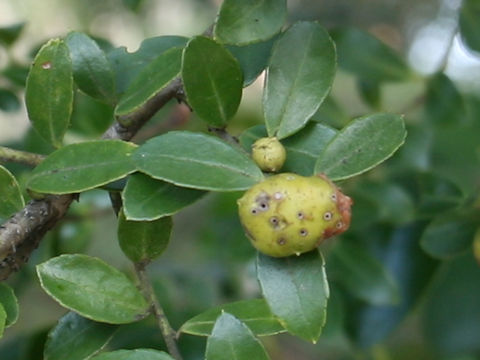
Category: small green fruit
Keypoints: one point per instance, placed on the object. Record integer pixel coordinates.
(269, 154)
(290, 214)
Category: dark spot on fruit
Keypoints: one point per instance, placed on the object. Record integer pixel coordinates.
(333, 197)
(281, 241)
(327, 216)
(303, 232)
(263, 206)
(300, 215)
(339, 225)
(274, 221)
(254, 211)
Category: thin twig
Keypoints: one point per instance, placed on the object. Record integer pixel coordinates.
(22, 157)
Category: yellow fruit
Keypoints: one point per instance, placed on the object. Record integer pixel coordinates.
(290, 214)
(269, 154)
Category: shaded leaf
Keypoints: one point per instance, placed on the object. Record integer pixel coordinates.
(370, 93)
(92, 288)
(77, 338)
(246, 21)
(299, 77)
(83, 166)
(469, 30)
(145, 198)
(11, 199)
(9, 34)
(49, 91)
(444, 103)
(137, 354)
(90, 117)
(8, 101)
(232, 339)
(212, 80)
(331, 113)
(361, 145)
(254, 313)
(3, 319)
(10, 304)
(197, 161)
(16, 73)
(296, 290)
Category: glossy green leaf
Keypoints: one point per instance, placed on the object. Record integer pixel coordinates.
(145, 198)
(92, 288)
(247, 21)
(296, 289)
(91, 70)
(8, 101)
(11, 199)
(137, 354)
(367, 57)
(299, 77)
(254, 313)
(450, 234)
(77, 338)
(143, 241)
(197, 161)
(127, 65)
(3, 319)
(83, 166)
(9, 34)
(469, 15)
(212, 80)
(232, 339)
(362, 275)
(10, 304)
(361, 145)
(444, 103)
(150, 81)
(49, 91)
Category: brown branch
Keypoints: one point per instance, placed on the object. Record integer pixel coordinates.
(22, 233)
(22, 157)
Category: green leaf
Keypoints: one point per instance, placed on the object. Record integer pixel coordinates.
(8, 101)
(255, 313)
(361, 274)
(145, 198)
(92, 288)
(11, 199)
(16, 73)
(299, 77)
(361, 145)
(90, 118)
(197, 161)
(232, 339)
(370, 92)
(91, 69)
(469, 15)
(450, 234)
(246, 21)
(3, 319)
(150, 81)
(10, 304)
(331, 113)
(83, 166)
(212, 80)
(137, 354)
(9, 34)
(296, 289)
(143, 241)
(367, 57)
(77, 338)
(49, 91)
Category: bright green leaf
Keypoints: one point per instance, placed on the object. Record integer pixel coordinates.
(254, 313)
(444, 104)
(137, 354)
(296, 289)
(469, 29)
(92, 288)
(299, 77)
(361, 145)
(49, 91)
(8, 101)
(197, 161)
(77, 338)
(83, 166)
(145, 198)
(91, 69)
(10, 304)
(8, 34)
(212, 80)
(232, 339)
(245, 21)
(11, 199)
(143, 241)
(3, 319)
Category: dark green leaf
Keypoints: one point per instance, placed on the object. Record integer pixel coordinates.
(10, 304)
(436, 194)
(246, 21)
(469, 29)
(8, 34)
(76, 338)
(361, 145)
(254, 313)
(299, 77)
(83, 166)
(367, 57)
(17, 74)
(197, 161)
(90, 117)
(371, 93)
(232, 339)
(331, 113)
(49, 92)
(296, 290)
(150, 81)
(444, 103)
(11, 199)
(3, 319)
(92, 288)
(143, 241)
(145, 198)
(137, 354)
(8, 101)
(91, 69)
(212, 80)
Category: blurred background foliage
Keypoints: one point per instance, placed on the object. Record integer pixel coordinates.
(405, 280)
